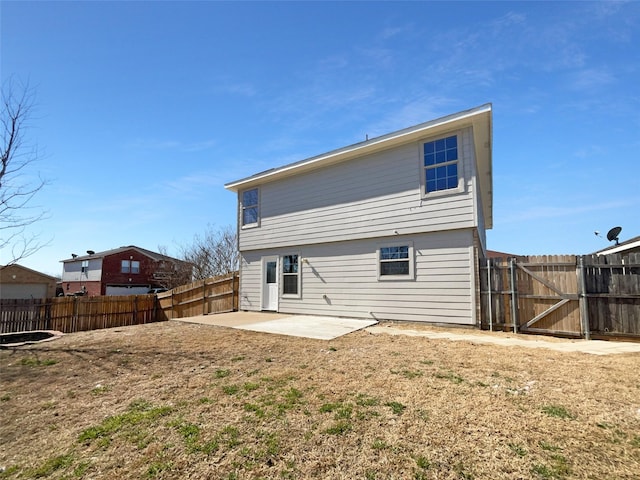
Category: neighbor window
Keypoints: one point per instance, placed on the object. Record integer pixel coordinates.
(395, 262)
(130, 266)
(290, 274)
(85, 266)
(250, 207)
(441, 164)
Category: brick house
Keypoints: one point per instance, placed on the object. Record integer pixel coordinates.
(126, 270)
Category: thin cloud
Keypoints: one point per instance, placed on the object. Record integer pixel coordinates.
(154, 144)
(589, 151)
(412, 113)
(391, 32)
(241, 89)
(590, 79)
(549, 212)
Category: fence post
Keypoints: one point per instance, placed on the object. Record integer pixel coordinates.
(514, 294)
(204, 296)
(490, 300)
(233, 291)
(584, 306)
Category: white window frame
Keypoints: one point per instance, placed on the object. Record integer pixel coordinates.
(412, 269)
(122, 266)
(299, 275)
(243, 207)
(131, 267)
(423, 168)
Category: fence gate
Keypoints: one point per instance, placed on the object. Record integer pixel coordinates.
(537, 294)
(586, 296)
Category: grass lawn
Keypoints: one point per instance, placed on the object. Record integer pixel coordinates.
(174, 400)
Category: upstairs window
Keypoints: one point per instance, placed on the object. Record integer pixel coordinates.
(130, 266)
(250, 208)
(441, 164)
(85, 266)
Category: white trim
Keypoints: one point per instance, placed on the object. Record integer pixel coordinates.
(619, 248)
(384, 141)
(241, 206)
(473, 268)
(412, 264)
(263, 281)
(299, 274)
(460, 162)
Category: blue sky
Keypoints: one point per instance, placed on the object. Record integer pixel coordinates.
(144, 110)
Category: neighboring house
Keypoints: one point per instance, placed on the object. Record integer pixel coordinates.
(122, 271)
(390, 228)
(17, 281)
(624, 248)
(496, 254)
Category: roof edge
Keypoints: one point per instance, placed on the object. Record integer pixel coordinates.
(360, 146)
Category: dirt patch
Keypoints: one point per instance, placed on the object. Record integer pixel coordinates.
(175, 400)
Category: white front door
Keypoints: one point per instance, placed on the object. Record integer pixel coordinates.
(270, 283)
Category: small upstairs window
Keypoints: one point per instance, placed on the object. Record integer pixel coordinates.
(85, 266)
(130, 266)
(441, 164)
(250, 208)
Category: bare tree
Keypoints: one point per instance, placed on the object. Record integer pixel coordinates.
(213, 253)
(18, 185)
(169, 272)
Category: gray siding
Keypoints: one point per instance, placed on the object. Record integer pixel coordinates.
(372, 196)
(346, 273)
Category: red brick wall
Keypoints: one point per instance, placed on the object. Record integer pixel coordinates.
(92, 288)
(111, 269)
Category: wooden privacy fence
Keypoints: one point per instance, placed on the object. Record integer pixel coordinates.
(203, 297)
(583, 296)
(74, 314)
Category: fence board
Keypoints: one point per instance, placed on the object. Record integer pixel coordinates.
(74, 314)
(611, 294)
(203, 297)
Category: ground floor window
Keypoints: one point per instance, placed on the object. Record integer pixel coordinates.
(395, 262)
(290, 275)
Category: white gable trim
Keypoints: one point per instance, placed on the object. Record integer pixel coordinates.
(432, 127)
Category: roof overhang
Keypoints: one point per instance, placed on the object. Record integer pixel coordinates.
(480, 118)
(623, 247)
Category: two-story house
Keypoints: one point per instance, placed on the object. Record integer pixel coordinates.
(389, 228)
(127, 270)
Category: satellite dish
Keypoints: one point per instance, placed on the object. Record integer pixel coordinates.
(613, 234)
(90, 252)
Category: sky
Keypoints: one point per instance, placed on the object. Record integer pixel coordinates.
(144, 110)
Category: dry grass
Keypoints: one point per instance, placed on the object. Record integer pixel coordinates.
(174, 400)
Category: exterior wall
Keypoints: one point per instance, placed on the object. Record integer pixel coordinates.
(111, 270)
(372, 196)
(342, 279)
(91, 289)
(72, 271)
(21, 282)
